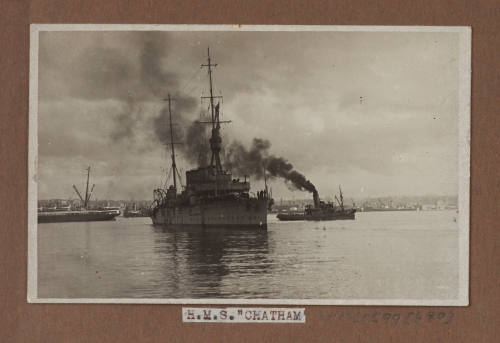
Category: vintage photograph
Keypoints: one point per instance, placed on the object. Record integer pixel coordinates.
(249, 164)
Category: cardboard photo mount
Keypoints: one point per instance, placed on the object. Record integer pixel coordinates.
(23, 322)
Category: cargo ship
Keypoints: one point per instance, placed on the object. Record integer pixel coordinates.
(77, 216)
(211, 196)
(321, 210)
(65, 214)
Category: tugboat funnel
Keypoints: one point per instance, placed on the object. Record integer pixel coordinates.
(316, 198)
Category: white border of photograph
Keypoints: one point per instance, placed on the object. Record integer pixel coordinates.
(463, 167)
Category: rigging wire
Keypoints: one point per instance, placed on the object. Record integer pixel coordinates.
(168, 178)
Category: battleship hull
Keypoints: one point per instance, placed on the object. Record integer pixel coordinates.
(76, 216)
(234, 214)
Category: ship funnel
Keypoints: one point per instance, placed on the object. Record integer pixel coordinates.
(316, 198)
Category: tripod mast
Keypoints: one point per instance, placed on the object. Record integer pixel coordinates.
(174, 167)
(215, 139)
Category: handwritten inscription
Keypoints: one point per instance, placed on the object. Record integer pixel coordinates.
(392, 318)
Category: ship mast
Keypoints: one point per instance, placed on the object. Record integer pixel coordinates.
(174, 167)
(265, 181)
(88, 194)
(87, 188)
(209, 66)
(215, 139)
(341, 199)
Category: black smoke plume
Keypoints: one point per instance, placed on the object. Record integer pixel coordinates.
(149, 81)
(127, 120)
(161, 83)
(153, 81)
(255, 160)
(196, 148)
(192, 136)
(153, 50)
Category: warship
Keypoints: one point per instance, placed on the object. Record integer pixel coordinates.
(211, 196)
(321, 210)
(65, 214)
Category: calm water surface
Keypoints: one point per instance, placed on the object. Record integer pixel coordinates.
(382, 255)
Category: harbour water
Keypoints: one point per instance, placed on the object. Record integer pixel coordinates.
(380, 255)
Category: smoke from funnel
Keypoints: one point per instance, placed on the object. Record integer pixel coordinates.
(127, 119)
(196, 149)
(154, 82)
(151, 81)
(192, 135)
(153, 75)
(257, 158)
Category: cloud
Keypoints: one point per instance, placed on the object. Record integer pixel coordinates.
(377, 109)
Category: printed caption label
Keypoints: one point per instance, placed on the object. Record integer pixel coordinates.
(243, 315)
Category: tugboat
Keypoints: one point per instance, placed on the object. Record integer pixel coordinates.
(83, 215)
(211, 197)
(321, 210)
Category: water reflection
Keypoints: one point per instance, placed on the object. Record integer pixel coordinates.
(201, 260)
(129, 258)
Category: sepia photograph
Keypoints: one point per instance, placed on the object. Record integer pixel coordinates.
(230, 164)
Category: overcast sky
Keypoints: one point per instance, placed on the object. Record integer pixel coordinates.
(374, 112)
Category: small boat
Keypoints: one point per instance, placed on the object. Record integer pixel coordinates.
(131, 213)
